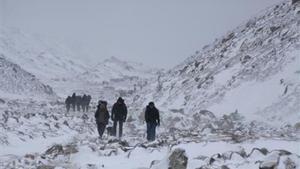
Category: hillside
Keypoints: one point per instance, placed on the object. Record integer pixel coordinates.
(233, 105)
(55, 65)
(253, 70)
(15, 82)
(50, 62)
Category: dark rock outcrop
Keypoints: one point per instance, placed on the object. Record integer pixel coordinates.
(178, 159)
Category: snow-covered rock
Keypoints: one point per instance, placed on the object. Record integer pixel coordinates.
(15, 82)
(271, 161)
(254, 69)
(178, 159)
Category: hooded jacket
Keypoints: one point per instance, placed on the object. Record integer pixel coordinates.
(152, 115)
(119, 111)
(101, 115)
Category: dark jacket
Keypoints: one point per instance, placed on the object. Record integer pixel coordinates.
(102, 115)
(152, 115)
(119, 112)
(68, 100)
(84, 100)
(73, 99)
(78, 100)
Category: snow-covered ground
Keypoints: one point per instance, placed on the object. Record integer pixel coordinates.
(235, 104)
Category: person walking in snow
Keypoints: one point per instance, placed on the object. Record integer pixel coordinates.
(68, 103)
(84, 103)
(78, 102)
(152, 120)
(102, 117)
(118, 116)
(73, 101)
(89, 98)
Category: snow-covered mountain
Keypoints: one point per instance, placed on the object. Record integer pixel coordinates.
(251, 76)
(43, 58)
(15, 82)
(57, 66)
(114, 77)
(116, 69)
(254, 70)
(50, 62)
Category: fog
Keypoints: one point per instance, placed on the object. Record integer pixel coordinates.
(159, 33)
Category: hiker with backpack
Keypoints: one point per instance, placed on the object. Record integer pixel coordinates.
(68, 103)
(102, 117)
(73, 101)
(152, 119)
(118, 116)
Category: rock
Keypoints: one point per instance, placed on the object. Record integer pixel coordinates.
(180, 111)
(124, 143)
(70, 149)
(204, 116)
(289, 164)
(263, 151)
(2, 101)
(229, 37)
(271, 161)
(224, 167)
(283, 152)
(85, 117)
(295, 1)
(178, 159)
(30, 156)
(245, 59)
(91, 166)
(154, 162)
(55, 150)
(274, 28)
(297, 126)
(45, 167)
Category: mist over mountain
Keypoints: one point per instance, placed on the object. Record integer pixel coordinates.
(233, 104)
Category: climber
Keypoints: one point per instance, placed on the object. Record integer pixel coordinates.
(68, 103)
(118, 116)
(102, 117)
(152, 120)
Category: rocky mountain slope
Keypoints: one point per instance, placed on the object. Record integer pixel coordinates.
(254, 70)
(115, 69)
(41, 57)
(235, 104)
(56, 65)
(16, 82)
(115, 77)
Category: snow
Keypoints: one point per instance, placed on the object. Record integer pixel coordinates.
(21, 148)
(263, 91)
(141, 158)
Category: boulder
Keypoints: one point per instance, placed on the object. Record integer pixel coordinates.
(70, 149)
(91, 166)
(295, 1)
(271, 161)
(45, 167)
(289, 164)
(2, 101)
(178, 159)
(55, 150)
(297, 126)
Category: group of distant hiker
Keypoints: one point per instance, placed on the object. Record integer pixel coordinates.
(78, 102)
(118, 115)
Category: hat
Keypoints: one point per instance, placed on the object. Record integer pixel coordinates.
(120, 100)
(102, 102)
(151, 103)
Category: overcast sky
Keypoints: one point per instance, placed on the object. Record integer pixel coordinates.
(160, 33)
